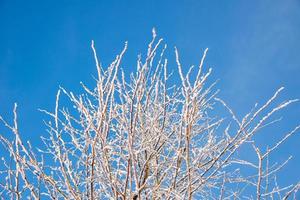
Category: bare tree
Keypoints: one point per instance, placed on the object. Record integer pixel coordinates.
(139, 137)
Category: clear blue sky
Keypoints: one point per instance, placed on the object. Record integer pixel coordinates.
(253, 48)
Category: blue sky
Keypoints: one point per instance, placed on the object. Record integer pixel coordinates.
(253, 49)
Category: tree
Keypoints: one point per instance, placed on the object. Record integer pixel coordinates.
(142, 138)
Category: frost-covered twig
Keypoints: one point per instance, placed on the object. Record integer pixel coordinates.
(138, 137)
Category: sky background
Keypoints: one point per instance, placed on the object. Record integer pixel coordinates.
(253, 49)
